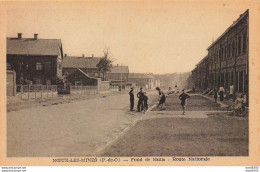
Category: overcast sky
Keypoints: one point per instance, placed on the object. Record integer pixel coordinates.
(148, 37)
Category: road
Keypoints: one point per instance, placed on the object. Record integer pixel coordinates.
(81, 128)
(206, 129)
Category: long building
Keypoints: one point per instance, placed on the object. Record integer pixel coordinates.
(227, 61)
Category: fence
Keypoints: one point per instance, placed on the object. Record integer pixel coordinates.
(83, 90)
(36, 91)
(48, 91)
(114, 88)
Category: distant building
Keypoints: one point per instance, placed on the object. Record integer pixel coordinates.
(118, 75)
(35, 61)
(87, 64)
(80, 78)
(142, 80)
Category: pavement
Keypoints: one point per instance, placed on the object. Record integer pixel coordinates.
(80, 128)
(206, 129)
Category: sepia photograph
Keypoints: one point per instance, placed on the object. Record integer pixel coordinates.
(121, 81)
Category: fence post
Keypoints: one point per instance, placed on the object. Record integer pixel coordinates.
(28, 91)
(41, 91)
(35, 90)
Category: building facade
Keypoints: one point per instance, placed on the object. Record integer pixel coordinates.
(87, 64)
(118, 75)
(142, 80)
(227, 60)
(35, 61)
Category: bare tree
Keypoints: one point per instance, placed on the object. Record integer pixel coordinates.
(105, 63)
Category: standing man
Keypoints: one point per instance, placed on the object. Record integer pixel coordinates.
(183, 98)
(140, 96)
(132, 98)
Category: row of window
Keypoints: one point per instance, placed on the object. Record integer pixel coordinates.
(231, 49)
(47, 65)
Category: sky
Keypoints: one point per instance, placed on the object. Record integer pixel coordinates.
(149, 37)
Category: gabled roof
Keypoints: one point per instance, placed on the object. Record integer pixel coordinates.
(140, 76)
(119, 69)
(30, 46)
(79, 70)
(80, 62)
(230, 27)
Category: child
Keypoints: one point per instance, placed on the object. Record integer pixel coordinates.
(145, 102)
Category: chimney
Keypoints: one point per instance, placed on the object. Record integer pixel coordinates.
(19, 35)
(83, 55)
(92, 55)
(65, 55)
(35, 36)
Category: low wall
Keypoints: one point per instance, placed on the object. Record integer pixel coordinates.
(103, 85)
(10, 83)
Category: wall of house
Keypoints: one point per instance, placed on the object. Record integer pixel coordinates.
(227, 62)
(117, 76)
(103, 85)
(27, 73)
(228, 59)
(92, 72)
(79, 79)
(10, 83)
(142, 82)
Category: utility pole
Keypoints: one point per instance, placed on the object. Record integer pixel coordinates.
(121, 77)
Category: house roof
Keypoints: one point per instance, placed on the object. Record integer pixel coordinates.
(140, 76)
(86, 75)
(80, 62)
(30, 46)
(230, 27)
(119, 69)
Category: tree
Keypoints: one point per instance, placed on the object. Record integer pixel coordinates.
(105, 63)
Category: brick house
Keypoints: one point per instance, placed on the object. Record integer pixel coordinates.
(118, 75)
(227, 61)
(87, 64)
(142, 80)
(35, 61)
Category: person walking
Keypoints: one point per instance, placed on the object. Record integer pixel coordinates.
(132, 98)
(162, 99)
(145, 102)
(215, 95)
(183, 98)
(140, 96)
(231, 92)
(221, 93)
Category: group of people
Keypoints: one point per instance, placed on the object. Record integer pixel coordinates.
(142, 105)
(239, 99)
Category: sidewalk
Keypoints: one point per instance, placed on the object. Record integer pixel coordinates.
(15, 103)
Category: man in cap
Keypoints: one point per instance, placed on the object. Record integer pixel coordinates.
(140, 104)
(132, 98)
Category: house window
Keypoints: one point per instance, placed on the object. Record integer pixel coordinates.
(233, 48)
(239, 44)
(9, 67)
(244, 43)
(48, 66)
(38, 66)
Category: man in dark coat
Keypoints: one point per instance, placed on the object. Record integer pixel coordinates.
(183, 98)
(140, 96)
(132, 98)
